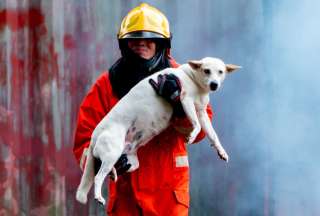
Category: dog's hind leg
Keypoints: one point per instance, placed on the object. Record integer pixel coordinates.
(108, 149)
(87, 179)
(133, 160)
(115, 174)
(99, 179)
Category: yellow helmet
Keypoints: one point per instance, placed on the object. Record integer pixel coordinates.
(144, 21)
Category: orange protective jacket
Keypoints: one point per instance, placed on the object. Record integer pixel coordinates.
(161, 184)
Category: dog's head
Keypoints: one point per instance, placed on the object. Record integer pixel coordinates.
(210, 72)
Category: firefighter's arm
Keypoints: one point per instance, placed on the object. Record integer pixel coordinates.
(93, 108)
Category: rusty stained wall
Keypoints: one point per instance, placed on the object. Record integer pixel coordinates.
(50, 51)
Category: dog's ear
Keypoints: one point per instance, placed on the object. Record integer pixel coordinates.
(231, 67)
(194, 64)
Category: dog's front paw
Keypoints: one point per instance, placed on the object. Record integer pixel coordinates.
(223, 155)
(193, 135)
(191, 138)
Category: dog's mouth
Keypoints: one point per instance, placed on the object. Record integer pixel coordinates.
(213, 86)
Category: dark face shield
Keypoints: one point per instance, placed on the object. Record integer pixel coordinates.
(160, 40)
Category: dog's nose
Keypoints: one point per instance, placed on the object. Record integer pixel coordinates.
(213, 86)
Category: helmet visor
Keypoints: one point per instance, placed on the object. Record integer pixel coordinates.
(142, 34)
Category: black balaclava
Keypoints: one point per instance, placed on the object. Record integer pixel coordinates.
(131, 68)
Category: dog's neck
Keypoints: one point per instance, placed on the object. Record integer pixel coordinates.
(191, 74)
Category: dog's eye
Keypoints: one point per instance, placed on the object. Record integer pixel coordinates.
(220, 72)
(207, 71)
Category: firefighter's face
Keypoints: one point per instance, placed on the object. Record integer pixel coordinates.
(145, 48)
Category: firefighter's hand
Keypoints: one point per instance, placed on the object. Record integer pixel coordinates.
(168, 86)
(121, 166)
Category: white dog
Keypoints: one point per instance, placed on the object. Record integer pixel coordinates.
(142, 114)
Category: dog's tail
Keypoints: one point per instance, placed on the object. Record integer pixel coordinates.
(87, 178)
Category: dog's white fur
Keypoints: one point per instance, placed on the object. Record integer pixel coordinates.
(142, 114)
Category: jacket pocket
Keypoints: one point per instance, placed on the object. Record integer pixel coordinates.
(180, 172)
(182, 197)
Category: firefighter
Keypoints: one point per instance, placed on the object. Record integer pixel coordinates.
(161, 184)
